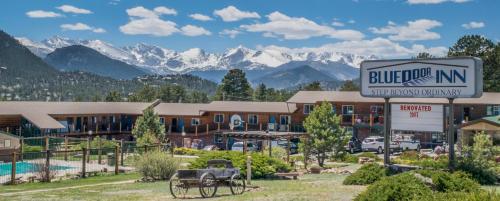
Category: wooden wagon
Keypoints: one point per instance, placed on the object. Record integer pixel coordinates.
(218, 173)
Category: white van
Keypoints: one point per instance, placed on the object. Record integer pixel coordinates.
(377, 144)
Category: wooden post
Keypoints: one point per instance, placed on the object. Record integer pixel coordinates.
(218, 127)
(451, 136)
(116, 160)
(387, 130)
(270, 147)
(13, 170)
(288, 149)
(47, 166)
(88, 149)
(244, 144)
(99, 151)
(246, 127)
(84, 164)
(46, 143)
(122, 151)
(66, 148)
(21, 149)
(260, 126)
(249, 169)
(371, 120)
(120, 124)
(207, 130)
(353, 119)
(225, 142)
(196, 130)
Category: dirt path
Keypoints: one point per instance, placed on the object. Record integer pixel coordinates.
(64, 188)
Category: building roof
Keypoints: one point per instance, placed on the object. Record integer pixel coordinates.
(39, 113)
(354, 96)
(486, 124)
(181, 109)
(247, 106)
(495, 119)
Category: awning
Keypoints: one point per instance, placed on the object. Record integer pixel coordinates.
(42, 121)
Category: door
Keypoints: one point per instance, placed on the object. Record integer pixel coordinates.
(174, 125)
(466, 114)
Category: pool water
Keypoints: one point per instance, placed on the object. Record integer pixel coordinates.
(25, 167)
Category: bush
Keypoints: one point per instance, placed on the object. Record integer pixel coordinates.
(409, 155)
(156, 165)
(481, 195)
(447, 182)
(262, 166)
(277, 152)
(351, 158)
(367, 174)
(29, 148)
(482, 173)
(399, 187)
(188, 151)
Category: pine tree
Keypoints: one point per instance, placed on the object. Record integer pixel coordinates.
(148, 127)
(313, 86)
(234, 87)
(349, 85)
(113, 96)
(260, 93)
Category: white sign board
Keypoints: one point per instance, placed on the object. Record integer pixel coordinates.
(417, 117)
(458, 77)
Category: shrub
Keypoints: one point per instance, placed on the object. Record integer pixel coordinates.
(367, 174)
(29, 148)
(409, 155)
(447, 182)
(262, 165)
(277, 152)
(482, 173)
(188, 151)
(403, 186)
(481, 195)
(156, 165)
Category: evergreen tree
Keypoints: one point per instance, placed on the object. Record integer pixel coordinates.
(234, 87)
(113, 96)
(349, 85)
(148, 129)
(260, 93)
(424, 55)
(146, 94)
(313, 86)
(198, 97)
(479, 46)
(325, 132)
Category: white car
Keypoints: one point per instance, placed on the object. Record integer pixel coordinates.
(238, 146)
(377, 144)
(410, 145)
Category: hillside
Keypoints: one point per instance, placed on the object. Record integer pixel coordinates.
(290, 78)
(81, 58)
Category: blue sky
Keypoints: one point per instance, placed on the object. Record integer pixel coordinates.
(387, 28)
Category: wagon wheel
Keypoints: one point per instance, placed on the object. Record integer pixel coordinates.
(177, 187)
(208, 185)
(237, 184)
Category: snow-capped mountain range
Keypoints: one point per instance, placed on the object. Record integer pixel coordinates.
(160, 60)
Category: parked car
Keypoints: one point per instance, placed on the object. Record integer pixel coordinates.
(408, 142)
(238, 146)
(294, 149)
(354, 145)
(210, 148)
(377, 144)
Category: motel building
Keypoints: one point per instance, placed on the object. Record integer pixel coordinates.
(212, 123)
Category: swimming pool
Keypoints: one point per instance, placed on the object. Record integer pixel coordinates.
(26, 167)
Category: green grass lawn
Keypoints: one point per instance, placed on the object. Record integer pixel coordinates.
(308, 187)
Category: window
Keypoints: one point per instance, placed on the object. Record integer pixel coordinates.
(219, 118)
(308, 108)
(195, 121)
(94, 120)
(2, 145)
(493, 110)
(377, 109)
(347, 109)
(7, 143)
(284, 119)
(334, 109)
(162, 120)
(253, 119)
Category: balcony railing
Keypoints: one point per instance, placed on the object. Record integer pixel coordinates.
(366, 119)
(216, 127)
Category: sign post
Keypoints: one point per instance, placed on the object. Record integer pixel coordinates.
(450, 78)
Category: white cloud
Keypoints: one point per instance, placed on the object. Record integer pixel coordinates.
(337, 24)
(72, 9)
(294, 28)
(413, 31)
(200, 17)
(147, 22)
(42, 14)
(351, 21)
(435, 1)
(380, 47)
(191, 30)
(231, 33)
(81, 27)
(473, 25)
(149, 26)
(165, 11)
(231, 14)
